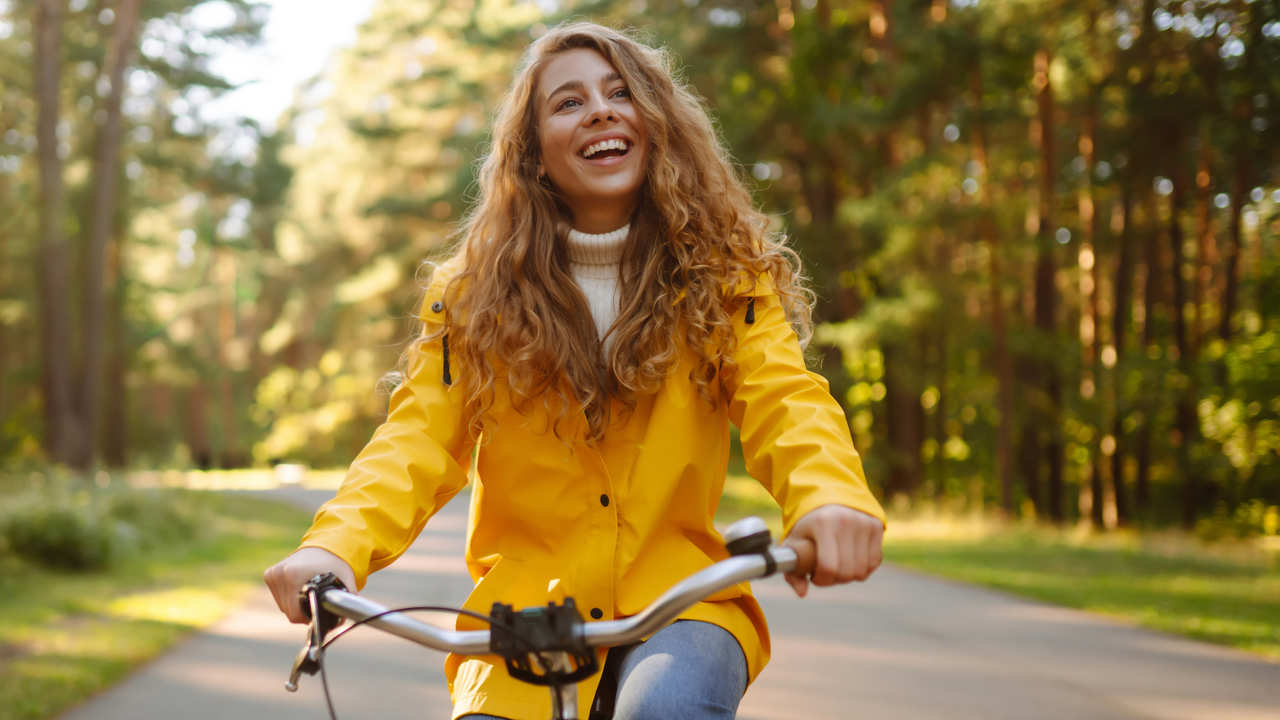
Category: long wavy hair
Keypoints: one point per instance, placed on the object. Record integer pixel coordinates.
(515, 314)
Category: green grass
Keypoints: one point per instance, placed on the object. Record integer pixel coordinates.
(1227, 593)
(1229, 597)
(68, 635)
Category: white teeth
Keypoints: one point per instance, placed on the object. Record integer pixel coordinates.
(610, 144)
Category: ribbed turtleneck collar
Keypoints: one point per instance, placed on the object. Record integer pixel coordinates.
(601, 249)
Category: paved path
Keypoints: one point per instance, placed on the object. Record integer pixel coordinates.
(901, 646)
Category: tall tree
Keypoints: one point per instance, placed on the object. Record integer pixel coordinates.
(1042, 444)
(1184, 406)
(63, 433)
(106, 166)
(1002, 363)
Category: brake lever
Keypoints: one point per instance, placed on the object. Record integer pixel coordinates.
(322, 621)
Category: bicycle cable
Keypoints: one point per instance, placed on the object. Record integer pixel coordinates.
(314, 600)
(416, 608)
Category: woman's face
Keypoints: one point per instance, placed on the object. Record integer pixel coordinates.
(591, 137)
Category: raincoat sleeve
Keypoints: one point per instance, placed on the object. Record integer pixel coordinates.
(794, 435)
(415, 463)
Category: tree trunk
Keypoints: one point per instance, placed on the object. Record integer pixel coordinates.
(1185, 405)
(1090, 326)
(1206, 246)
(1152, 296)
(62, 433)
(1242, 179)
(1231, 280)
(902, 376)
(115, 438)
(196, 427)
(1046, 293)
(106, 165)
(1046, 311)
(940, 419)
(903, 427)
(1120, 319)
(1153, 275)
(225, 281)
(1000, 351)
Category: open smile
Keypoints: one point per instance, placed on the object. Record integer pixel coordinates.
(606, 151)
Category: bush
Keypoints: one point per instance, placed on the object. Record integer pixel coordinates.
(87, 531)
(155, 519)
(1249, 519)
(60, 537)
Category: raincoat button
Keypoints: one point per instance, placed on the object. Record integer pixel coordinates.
(437, 306)
(597, 613)
(604, 500)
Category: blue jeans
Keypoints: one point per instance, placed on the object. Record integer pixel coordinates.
(690, 670)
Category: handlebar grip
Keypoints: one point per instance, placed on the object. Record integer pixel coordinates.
(806, 555)
(309, 658)
(318, 585)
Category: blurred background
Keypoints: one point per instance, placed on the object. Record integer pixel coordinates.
(1043, 233)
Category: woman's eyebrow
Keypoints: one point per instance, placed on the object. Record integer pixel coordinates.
(580, 86)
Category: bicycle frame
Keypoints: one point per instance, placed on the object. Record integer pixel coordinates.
(752, 557)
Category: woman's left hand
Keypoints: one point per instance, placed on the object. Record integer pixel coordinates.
(847, 544)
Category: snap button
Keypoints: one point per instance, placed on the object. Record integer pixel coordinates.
(437, 306)
(604, 500)
(597, 613)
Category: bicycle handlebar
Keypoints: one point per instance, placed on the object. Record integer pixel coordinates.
(558, 629)
(606, 633)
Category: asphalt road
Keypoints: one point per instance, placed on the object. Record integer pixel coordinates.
(900, 646)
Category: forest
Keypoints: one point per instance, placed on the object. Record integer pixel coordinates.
(1043, 233)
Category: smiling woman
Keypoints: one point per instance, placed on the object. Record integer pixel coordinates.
(615, 302)
(591, 139)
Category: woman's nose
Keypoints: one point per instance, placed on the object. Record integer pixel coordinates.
(598, 109)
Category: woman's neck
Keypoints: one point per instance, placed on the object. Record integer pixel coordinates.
(599, 217)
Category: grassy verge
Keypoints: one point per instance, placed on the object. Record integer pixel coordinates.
(1226, 593)
(67, 635)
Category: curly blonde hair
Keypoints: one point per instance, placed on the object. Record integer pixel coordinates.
(514, 309)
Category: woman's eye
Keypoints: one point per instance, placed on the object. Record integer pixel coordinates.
(566, 103)
(622, 92)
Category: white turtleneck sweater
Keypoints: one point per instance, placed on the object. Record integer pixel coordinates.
(594, 261)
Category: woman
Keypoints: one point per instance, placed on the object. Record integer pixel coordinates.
(615, 303)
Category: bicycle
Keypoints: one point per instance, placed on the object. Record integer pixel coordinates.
(547, 645)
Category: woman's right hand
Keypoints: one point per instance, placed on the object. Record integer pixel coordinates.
(286, 578)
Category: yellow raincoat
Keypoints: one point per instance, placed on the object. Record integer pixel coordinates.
(611, 525)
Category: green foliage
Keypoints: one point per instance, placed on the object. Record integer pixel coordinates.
(1241, 417)
(61, 537)
(157, 519)
(321, 415)
(1248, 519)
(87, 531)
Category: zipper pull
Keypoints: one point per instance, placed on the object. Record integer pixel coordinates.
(446, 377)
